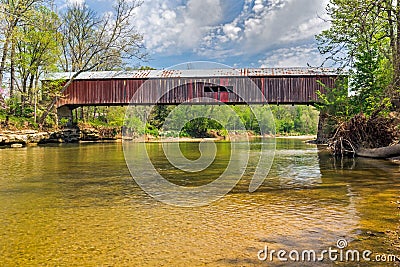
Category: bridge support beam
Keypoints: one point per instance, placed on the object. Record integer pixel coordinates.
(65, 112)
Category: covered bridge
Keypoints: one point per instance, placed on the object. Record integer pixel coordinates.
(207, 86)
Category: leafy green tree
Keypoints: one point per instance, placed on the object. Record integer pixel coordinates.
(91, 42)
(159, 114)
(36, 51)
(13, 13)
(369, 80)
(364, 40)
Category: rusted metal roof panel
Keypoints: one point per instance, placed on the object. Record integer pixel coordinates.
(194, 73)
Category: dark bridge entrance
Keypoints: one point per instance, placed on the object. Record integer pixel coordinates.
(277, 85)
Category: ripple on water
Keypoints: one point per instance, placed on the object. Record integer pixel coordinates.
(79, 207)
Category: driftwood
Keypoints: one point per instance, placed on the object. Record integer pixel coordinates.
(380, 153)
(373, 137)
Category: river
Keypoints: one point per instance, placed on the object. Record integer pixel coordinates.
(77, 205)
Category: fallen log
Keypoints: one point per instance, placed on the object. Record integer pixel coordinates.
(380, 153)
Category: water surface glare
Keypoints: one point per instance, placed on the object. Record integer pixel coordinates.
(77, 205)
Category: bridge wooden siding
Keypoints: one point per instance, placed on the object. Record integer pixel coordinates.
(279, 86)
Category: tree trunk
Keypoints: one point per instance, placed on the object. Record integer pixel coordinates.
(31, 89)
(9, 36)
(12, 68)
(35, 96)
(396, 56)
(4, 58)
(380, 153)
(54, 101)
(24, 93)
(3, 65)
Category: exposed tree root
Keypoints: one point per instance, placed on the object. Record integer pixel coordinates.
(374, 137)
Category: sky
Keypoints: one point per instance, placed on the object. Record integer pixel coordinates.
(237, 33)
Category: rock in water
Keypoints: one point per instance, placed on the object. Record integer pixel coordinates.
(16, 146)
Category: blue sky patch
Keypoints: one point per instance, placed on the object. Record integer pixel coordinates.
(239, 33)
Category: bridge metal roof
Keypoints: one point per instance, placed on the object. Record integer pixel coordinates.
(193, 73)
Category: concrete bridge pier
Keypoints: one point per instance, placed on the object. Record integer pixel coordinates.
(65, 112)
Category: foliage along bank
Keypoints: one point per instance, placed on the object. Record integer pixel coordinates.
(364, 42)
(282, 120)
(36, 38)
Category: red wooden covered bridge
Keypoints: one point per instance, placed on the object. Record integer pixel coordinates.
(208, 86)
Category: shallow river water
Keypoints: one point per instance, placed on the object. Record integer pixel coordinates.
(77, 205)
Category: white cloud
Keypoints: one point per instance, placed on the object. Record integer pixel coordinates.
(306, 30)
(267, 24)
(282, 23)
(258, 6)
(75, 2)
(297, 56)
(231, 32)
(169, 27)
(174, 27)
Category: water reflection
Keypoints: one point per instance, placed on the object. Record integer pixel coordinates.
(77, 205)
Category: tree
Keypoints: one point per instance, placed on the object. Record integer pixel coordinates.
(364, 38)
(159, 114)
(36, 51)
(12, 14)
(361, 29)
(91, 42)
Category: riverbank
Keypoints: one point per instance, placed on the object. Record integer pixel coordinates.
(34, 137)
(21, 138)
(299, 137)
(235, 138)
(29, 137)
